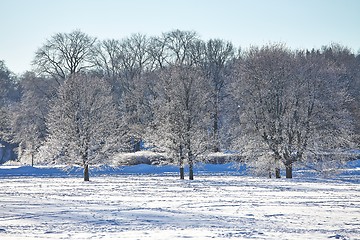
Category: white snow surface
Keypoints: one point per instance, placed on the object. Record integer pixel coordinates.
(158, 205)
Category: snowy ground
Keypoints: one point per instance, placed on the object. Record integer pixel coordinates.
(159, 206)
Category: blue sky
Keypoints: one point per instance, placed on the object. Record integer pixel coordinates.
(26, 24)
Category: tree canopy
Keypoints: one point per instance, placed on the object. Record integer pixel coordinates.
(87, 99)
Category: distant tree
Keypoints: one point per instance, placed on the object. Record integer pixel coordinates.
(65, 54)
(28, 116)
(345, 59)
(355, 89)
(4, 88)
(158, 52)
(180, 122)
(215, 65)
(9, 93)
(330, 126)
(9, 90)
(126, 64)
(135, 63)
(182, 47)
(5, 132)
(83, 123)
(107, 60)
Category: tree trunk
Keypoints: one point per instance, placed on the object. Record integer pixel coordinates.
(137, 146)
(182, 175)
(277, 172)
(191, 165)
(277, 168)
(181, 163)
(2, 152)
(216, 147)
(86, 172)
(288, 170)
(191, 170)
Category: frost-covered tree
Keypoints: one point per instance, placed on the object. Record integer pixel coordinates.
(9, 95)
(215, 65)
(180, 121)
(321, 129)
(343, 58)
(5, 83)
(65, 54)
(83, 123)
(266, 74)
(28, 116)
(292, 108)
(136, 63)
(126, 64)
(9, 88)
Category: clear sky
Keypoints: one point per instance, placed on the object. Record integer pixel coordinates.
(26, 24)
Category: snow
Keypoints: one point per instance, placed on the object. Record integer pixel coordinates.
(150, 202)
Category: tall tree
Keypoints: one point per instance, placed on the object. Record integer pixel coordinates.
(180, 47)
(126, 64)
(266, 75)
(135, 62)
(107, 61)
(180, 118)
(83, 123)
(318, 126)
(65, 54)
(180, 122)
(217, 56)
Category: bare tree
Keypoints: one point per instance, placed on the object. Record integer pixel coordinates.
(65, 54)
(107, 58)
(158, 52)
(180, 46)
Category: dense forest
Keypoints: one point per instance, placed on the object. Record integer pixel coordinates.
(87, 99)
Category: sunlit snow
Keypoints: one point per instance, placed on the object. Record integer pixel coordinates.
(160, 206)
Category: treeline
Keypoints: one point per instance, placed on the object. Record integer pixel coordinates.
(88, 99)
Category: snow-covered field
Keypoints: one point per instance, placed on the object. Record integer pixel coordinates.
(160, 206)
